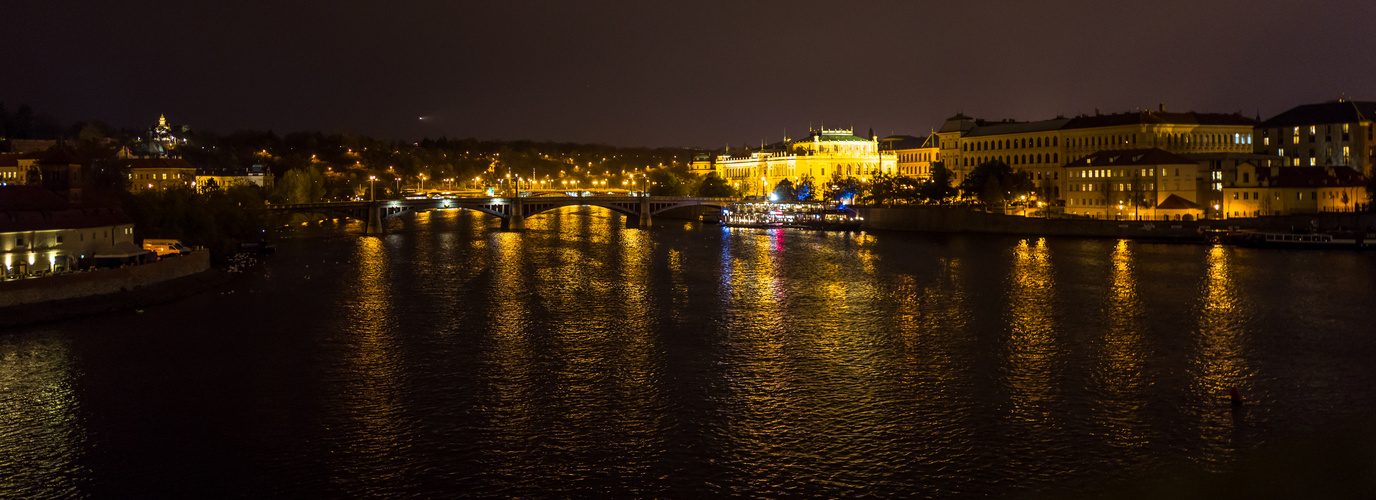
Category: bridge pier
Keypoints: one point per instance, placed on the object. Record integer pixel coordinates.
(515, 219)
(373, 224)
(644, 212)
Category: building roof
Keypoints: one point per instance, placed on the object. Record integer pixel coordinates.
(1125, 157)
(901, 142)
(1174, 202)
(832, 136)
(1159, 118)
(1010, 127)
(156, 163)
(33, 208)
(1299, 177)
(1339, 111)
(957, 123)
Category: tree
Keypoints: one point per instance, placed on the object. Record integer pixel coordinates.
(844, 191)
(993, 183)
(299, 185)
(714, 186)
(784, 192)
(806, 190)
(938, 187)
(666, 183)
(888, 189)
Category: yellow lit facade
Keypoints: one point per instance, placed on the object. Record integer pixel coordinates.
(159, 174)
(1333, 134)
(1147, 184)
(14, 168)
(1260, 191)
(1044, 148)
(823, 155)
(914, 155)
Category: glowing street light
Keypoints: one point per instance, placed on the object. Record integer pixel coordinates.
(371, 180)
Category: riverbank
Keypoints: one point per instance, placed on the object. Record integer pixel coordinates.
(945, 219)
(96, 292)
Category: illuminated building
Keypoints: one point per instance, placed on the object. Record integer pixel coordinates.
(914, 155)
(823, 155)
(1332, 134)
(1275, 190)
(1148, 184)
(158, 173)
(41, 231)
(1043, 148)
(14, 168)
(221, 178)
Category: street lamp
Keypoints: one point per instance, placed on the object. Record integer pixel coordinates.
(371, 180)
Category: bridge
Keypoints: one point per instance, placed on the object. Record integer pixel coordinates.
(513, 211)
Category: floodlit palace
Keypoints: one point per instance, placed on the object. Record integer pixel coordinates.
(822, 155)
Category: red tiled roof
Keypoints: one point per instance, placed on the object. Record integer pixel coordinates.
(33, 208)
(1174, 202)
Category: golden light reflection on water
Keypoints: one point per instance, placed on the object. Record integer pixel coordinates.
(1030, 370)
(1218, 360)
(372, 384)
(601, 347)
(1118, 375)
(40, 427)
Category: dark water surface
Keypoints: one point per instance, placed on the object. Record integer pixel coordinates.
(580, 358)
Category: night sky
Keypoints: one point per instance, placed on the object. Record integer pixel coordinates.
(647, 73)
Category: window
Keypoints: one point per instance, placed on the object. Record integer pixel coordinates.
(1312, 162)
(59, 239)
(1244, 195)
(19, 241)
(1265, 141)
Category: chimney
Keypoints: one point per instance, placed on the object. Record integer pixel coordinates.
(1161, 107)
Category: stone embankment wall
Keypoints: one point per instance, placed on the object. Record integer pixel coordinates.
(101, 282)
(963, 220)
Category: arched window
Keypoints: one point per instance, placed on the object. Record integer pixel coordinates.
(1055, 157)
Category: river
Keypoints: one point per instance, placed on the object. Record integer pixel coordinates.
(582, 358)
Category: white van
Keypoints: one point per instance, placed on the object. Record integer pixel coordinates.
(165, 247)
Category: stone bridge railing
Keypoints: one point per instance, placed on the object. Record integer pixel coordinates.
(511, 210)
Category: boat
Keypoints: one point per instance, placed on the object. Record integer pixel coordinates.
(1268, 239)
(802, 215)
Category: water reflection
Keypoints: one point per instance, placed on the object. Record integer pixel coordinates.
(376, 445)
(1118, 377)
(1031, 367)
(42, 435)
(1218, 359)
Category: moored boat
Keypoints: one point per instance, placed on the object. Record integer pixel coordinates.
(804, 215)
(1266, 239)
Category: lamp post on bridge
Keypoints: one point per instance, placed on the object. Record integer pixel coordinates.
(371, 180)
